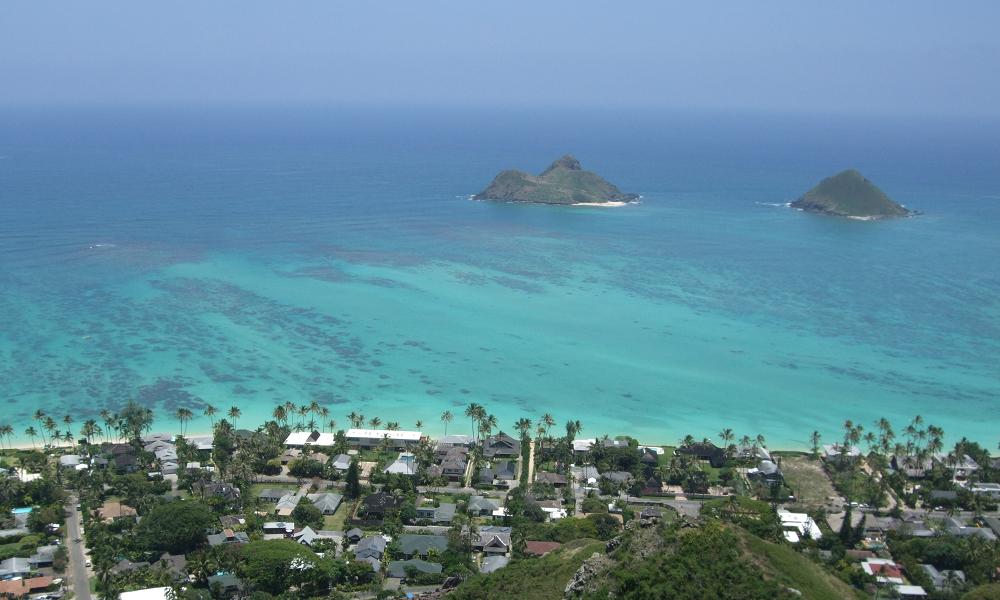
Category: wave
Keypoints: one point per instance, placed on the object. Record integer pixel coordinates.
(776, 204)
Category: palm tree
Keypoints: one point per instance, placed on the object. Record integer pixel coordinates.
(419, 425)
(447, 417)
(375, 422)
(89, 429)
(474, 411)
(523, 426)
(50, 426)
(280, 414)
(324, 413)
(210, 412)
(489, 422)
(68, 420)
(392, 425)
(354, 419)
(815, 438)
(234, 413)
(108, 417)
(183, 415)
(548, 421)
(31, 432)
(40, 417)
(333, 425)
(5, 431)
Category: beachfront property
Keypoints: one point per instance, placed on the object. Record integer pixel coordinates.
(371, 438)
(301, 439)
(405, 464)
(501, 445)
(835, 453)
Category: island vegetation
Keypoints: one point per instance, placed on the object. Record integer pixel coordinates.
(850, 194)
(564, 182)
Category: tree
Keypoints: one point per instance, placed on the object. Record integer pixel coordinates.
(183, 415)
(353, 481)
(815, 439)
(523, 426)
(375, 422)
(5, 431)
(210, 412)
(235, 413)
(447, 417)
(175, 527)
(306, 514)
(135, 420)
(474, 411)
(31, 432)
(264, 565)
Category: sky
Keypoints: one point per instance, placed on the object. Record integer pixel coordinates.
(854, 57)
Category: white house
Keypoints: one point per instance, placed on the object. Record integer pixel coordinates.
(369, 438)
(159, 593)
(298, 439)
(798, 525)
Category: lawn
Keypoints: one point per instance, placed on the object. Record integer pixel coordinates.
(783, 564)
(808, 481)
(337, 520)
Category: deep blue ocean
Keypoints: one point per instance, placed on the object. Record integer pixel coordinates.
(252, 257)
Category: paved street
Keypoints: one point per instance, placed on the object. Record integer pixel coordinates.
(79, 578)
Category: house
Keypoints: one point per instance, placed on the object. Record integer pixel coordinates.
(648, 457)
(271, 496)
(374, 563)
(202, 443)
(454, 463)
(341, 462)
(72, 462)
(480, 506)
(992, 522)
(834, 453)
(883, 570)
(279, 527)
(411, 545)
(766, 471)
(913, 467)
(493, 562)
(946, 495)
(379, 504)
(961, 467)
(715, 456)
(327, 503)
(157, 437)
(286, 504)
(990, 490)
(504, 470)
(158, 593)
(553, 513)
(405, 464)
(537, 548)
(442, 514)
(228, 536)
(17, 588)
(43, 556)
(14, 567)
(176, 564)
(493, 540)
(115, 510)
(301, 439)
(960, 529)
(589, 475)
(618, 477)
(455, 441)
(401, 568)
(553, 479)
(372, 546)
(798, 525)
(581, 446)
(125, 463)
(308, 536)
(125, 566)
(227, 584)
(216, 489)
(158, 446)
(354, 535)
(370, 438)
(905, 592)
(501, 445)
(944, 580)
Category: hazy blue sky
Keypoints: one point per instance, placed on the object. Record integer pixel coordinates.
(911, 57)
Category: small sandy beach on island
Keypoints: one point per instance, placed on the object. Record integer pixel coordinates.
(603, 204)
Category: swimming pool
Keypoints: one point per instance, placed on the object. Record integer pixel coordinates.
(22, 510)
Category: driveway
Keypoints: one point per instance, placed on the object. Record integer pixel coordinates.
(79, 577)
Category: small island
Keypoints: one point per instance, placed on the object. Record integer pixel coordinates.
(564, 182)
(849, 194)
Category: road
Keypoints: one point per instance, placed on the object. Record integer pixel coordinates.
(79, 578)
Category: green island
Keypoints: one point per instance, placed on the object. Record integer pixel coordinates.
(850, 194)
(564, 182)
(299, 508)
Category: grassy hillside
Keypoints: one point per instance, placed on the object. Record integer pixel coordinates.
(849, 194)
(780, 563)
(542, 578)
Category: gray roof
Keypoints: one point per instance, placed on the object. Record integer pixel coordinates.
(943, 579)
(420, 544)
(14, 566)
(341, 462)
(308, 535)
(481, 503)
(373, 545)
(218, 539)
(326, 502)
(398, 568)
(618, 476)
(455, 440)
(270, 493)
(288, 501)
(43, 554)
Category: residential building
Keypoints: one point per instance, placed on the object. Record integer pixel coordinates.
(493, 540)
(405, 464)
(300, 439)
(480, 506)
(379, 504)
(370, 438)
(327, 503)
(400, 568)
(411, 545)
(501, 445)
(715, 456)
(372, 546)
(228, 536)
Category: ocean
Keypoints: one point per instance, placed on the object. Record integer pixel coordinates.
(250, 257)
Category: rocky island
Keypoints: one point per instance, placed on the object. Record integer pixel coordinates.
(850, 194)
(564, 182)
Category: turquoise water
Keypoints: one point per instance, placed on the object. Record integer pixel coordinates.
(250, 259)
